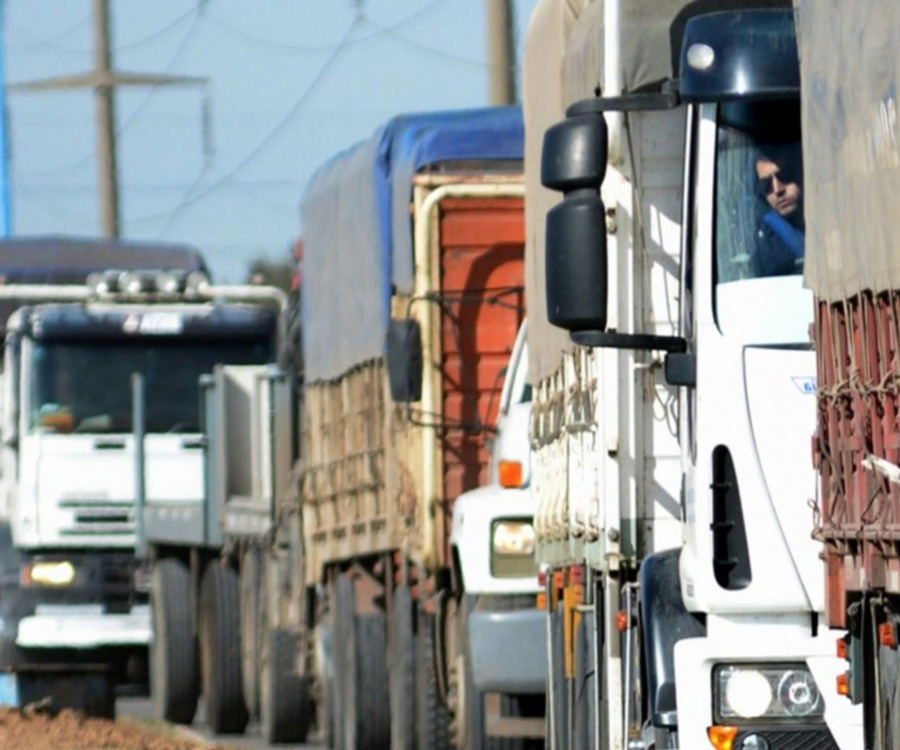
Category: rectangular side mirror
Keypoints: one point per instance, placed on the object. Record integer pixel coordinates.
(404, 360)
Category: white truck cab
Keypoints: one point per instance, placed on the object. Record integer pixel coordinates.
(496, 672)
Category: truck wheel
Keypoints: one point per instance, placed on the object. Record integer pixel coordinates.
(432, 717)
(402, 673)
(174, 674)
(366, 713)
(220, 641)
(250, 631)
(325, 680)
(284, 699)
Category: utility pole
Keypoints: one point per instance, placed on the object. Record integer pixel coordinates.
(5, 185)
(501, 52)
(104, 81)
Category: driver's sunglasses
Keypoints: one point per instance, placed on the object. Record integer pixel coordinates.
(785, 176)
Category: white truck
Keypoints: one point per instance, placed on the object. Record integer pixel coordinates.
(671, 428)
(74, 594)
(496, 682)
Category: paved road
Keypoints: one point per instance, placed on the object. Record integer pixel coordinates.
(141, 708)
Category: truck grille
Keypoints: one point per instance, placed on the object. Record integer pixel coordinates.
(116, 582)
(99, 518)
(809, 739)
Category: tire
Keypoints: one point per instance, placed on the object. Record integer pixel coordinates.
(325, 679)
(366, 714)
(284, 698)
(432, 716)
(174, 671)
(402, 671)
(251, 632)
(220, 651)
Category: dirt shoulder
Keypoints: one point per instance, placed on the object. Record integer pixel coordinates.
(68, 730)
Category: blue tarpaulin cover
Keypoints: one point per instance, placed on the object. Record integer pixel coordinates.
(357, 229)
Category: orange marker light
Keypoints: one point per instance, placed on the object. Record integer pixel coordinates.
(559, 579)
(722, 738)
(541, 601)
(843, 684)
(887, 636)
(841, 648)
(622, 623)
(510, 473)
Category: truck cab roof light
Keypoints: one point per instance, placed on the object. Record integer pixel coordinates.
(196, 283)
(133, 282)
(700, 56)
(170, 282)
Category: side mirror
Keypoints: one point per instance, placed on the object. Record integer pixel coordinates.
(573, 161)
(404, 360)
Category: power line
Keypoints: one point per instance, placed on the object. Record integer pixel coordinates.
(190, 198)
(194, 11)
(53, 42)
(293, 48)
(120, 129)
(434, 52)
(36, 41)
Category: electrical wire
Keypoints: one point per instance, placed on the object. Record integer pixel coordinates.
(159, 33)
(418, 46)
(293, 48)
(191, 196)
(52, 41)
(122, 127)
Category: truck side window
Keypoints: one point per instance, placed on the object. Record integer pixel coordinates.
(759, 191)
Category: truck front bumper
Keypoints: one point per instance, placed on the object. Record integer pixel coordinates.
(696, 658)
(83, 627)
(508, 652)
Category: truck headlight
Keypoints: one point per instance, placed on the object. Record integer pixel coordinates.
(765, 692)
(512, 549)
(57, 573)
(513, 538)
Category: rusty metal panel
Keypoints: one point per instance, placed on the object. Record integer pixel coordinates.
(857, 449)
(482, 305)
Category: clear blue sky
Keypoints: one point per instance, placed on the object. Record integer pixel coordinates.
(291, 82)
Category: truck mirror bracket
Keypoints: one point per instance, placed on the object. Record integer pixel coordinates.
(666, 98)
(640, 341)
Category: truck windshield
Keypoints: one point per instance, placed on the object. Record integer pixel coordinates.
(85, 386)
(759, 222)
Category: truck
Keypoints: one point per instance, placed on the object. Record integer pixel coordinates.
(365, 574)
(851, 155)
(672, 414)
(74, 592)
